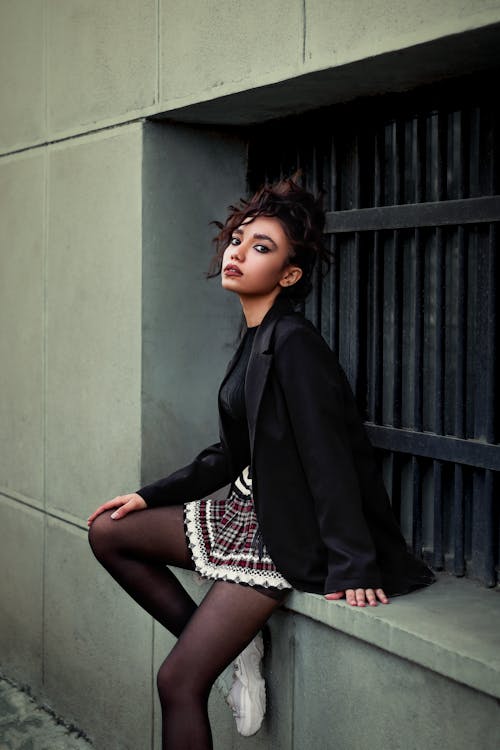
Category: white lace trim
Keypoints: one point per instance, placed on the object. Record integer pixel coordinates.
(220, 570)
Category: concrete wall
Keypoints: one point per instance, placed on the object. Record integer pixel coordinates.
(70, 407)
(103, 244)
(67, 66)
(189, 324)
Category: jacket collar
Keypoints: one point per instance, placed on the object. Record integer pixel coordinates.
(263, 337)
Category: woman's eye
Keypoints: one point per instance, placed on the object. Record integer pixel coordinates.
(234, 241)
(261, 248)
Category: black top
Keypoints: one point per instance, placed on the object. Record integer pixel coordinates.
(232, 395)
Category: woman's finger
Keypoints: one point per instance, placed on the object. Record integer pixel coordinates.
(114, 503)
(382, 596)
(360, 597)
(335, 595)
(136, 502)
(350, 596)
(119, 502)
(371, 597)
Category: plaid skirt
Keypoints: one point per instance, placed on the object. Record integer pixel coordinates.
(225, 540)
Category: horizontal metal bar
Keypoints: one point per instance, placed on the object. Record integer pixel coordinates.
(438, 447)
(410, 215)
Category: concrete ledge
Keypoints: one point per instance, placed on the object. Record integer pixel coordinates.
(389, 72)
(452, 628)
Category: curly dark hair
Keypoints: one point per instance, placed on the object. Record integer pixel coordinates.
(302, 218)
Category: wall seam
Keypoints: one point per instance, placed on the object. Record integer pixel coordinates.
(45, 66)
(141, 314)
(38, 507)
(45, 245)
(158, 50)
(304, 30)
(74, 137)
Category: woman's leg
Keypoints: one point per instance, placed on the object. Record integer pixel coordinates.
(225, 622)
(135, 551)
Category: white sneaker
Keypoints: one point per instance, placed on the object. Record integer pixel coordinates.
(247, 696)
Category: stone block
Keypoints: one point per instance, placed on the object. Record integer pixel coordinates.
(101, 61)
(22, 218)
(350, 694)
(212, 48)
(98, 646)
(22, 77)
(94, 320)
(337, 33)
(21, 562)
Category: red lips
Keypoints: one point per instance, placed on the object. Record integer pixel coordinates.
(232, 270)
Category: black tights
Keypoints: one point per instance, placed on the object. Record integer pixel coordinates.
(135, 551)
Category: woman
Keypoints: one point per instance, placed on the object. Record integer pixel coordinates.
(307, 508)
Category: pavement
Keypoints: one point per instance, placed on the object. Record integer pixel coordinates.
(25, 725)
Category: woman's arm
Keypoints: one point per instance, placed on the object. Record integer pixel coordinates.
(208, 472)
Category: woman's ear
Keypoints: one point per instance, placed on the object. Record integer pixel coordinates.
(291, 276)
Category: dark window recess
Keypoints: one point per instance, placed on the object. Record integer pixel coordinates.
(410, 302)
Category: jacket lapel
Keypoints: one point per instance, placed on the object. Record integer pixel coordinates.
(229, 369)
(260, 362)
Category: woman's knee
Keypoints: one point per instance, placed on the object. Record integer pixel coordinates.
(166, 683)
(101, 534)
(177, 682)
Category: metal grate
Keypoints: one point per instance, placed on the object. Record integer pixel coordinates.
(412, 192)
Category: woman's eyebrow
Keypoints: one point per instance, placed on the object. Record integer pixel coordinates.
(239, 230)
(265, 237)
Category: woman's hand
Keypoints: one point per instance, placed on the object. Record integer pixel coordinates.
(124, 504)
(360, 597)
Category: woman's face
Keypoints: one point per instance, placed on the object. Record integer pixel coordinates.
(256, 262)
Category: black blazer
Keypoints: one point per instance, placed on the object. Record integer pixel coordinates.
(323, 511)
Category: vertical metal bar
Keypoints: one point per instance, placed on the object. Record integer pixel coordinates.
(459, 405)
(312, 186)
(354, 322)
(437, 483)
(485, 340)
(442, 161)
(376, 292)
(482, 543)
(334, 295)
(378, 169)
(417, 332)
(458, 522)
(333, 198)
(417, 384)
(420, 160)
(397, 319)
(375, 331)
(482, 559)
(399, 247)
(439, 306)
(416, 505)
(355, 281)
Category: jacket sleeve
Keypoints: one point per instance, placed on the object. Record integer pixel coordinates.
(208, 472)
(324, 420)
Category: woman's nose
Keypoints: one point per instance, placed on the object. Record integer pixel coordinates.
(237, 253)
